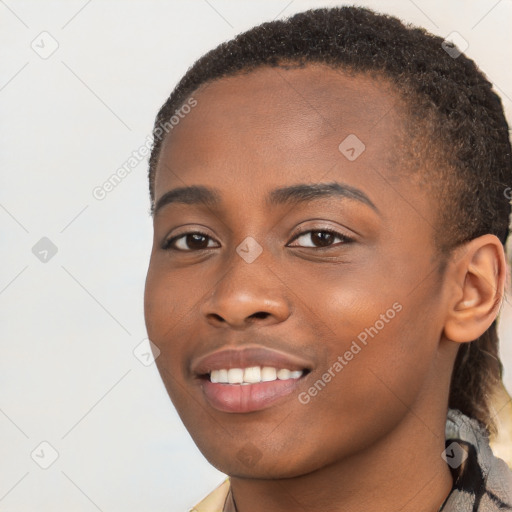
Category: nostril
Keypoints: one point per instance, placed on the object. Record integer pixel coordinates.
(216, 317)
(260, 314)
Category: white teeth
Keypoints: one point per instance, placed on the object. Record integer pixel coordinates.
(253, 375)
(268, 373)
(283, 374)
(235, 376)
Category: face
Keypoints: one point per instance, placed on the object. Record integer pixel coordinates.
(284, 239)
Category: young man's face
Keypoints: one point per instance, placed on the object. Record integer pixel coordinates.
(367, 296)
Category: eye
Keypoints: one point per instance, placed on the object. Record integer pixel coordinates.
(320, 238)
(187, 242)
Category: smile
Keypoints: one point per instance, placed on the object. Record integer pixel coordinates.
(253, 375)
(246, 379)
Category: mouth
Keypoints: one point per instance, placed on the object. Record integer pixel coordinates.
(249, 379)
(252, 375)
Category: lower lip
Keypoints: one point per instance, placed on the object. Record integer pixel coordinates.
(252, 397)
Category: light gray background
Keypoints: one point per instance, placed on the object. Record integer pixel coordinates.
(68, 375)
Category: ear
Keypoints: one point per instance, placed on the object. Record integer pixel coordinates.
(477, 281)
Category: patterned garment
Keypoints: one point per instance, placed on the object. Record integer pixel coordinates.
(482, 482)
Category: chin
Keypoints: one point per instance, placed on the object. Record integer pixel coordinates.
(268, 470)
(271, 462)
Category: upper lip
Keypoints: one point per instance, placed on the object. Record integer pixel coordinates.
(247, 356)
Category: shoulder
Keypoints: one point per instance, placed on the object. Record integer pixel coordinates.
(214, 502)
(482, 481)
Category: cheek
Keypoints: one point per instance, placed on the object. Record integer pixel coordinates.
(386, 338)
(378, 349)
(163, 302)
(361, 394)
(171, 304)
(159, 305)
(387, 364)
(169, 298)
(165, 315)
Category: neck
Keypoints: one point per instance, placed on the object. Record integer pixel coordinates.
(403, 471)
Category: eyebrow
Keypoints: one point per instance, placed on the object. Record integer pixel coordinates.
(294, 194)
(189, 195)
(307, 192)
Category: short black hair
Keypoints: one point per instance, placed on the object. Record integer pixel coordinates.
(452, 112)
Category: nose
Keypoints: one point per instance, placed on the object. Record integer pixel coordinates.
(248, 293)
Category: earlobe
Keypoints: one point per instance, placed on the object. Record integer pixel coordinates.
(477, 281)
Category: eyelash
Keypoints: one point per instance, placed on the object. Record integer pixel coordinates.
(168, 244)
(344, 238)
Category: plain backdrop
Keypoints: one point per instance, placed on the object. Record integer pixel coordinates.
(73, 374)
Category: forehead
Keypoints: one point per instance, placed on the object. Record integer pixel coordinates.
(297, 110)
(316, 97)
(273, 126)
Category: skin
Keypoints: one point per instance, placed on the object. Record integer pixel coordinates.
(373, 437)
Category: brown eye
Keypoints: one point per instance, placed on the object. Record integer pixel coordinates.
(320, 238)
(190, 242)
